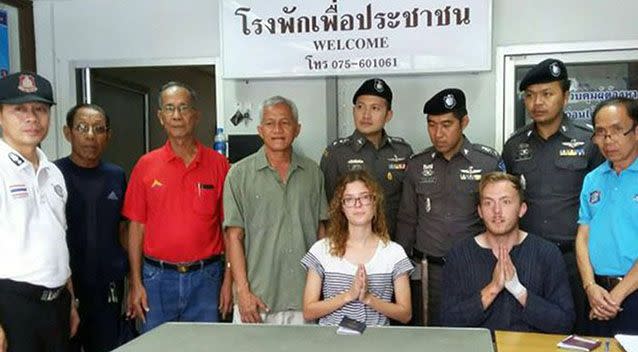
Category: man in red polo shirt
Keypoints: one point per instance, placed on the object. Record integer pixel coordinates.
(174, 202)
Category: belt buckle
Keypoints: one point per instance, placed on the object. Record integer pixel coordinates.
(182, 268)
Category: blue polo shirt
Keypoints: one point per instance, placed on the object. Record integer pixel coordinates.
(93, 215)
(609, 205)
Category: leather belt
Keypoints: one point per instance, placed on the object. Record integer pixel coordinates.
(183, 267)
(608, 282)
(36, 292)
(418, 255)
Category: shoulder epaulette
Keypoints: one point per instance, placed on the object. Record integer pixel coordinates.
(522, 130)
(427, 151)
(486, 150)
(397, 140)
(583, 125)
(340, 141)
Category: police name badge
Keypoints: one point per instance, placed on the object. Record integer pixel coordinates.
(397, 166)
(355, 164)
(574, 148)
(572, 152)
(524, 152)
(396, 163)
(594, 197)
(470, 174)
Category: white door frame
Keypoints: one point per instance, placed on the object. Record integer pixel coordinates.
(201, 61)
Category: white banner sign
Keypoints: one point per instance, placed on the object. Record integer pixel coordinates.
(278, 38)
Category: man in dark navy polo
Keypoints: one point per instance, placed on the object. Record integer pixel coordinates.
(440, 194)
(95, 228)
(369, 147)
(552, 155)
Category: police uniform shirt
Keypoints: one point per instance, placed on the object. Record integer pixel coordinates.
(552, 172)
(440, 197)
(32, 222)
(386, 164)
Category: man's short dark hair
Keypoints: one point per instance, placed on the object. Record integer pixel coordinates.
(178, 84)
(70, 116)
(459, 113)
(631, 106)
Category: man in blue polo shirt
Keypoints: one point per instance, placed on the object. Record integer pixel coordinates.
(607, 240)
(96, 228)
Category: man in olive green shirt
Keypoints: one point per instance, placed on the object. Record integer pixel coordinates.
(274, 204)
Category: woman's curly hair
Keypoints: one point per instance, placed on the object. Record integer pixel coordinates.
(338, 223)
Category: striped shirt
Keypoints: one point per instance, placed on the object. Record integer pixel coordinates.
(386, 265)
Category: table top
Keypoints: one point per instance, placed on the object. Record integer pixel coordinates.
(509, 341)
(196, 337)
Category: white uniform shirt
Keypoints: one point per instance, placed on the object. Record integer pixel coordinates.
(33, 245)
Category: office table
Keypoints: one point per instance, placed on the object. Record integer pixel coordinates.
(196, 337)
(509, 341)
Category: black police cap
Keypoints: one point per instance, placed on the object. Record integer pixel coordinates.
(24, 87)
(374, 86)
(549, 70)
(445, 101)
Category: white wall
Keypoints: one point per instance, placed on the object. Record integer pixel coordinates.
(308, 94)
(80, 30)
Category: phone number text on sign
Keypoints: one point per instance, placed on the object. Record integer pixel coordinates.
(350, 64)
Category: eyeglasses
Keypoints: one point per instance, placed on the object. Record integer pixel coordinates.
(614, 133)
(365, 199)
(182, 109)
(282, 124)
(85, 129)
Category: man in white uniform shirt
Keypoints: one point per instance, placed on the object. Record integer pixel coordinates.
(37, 309)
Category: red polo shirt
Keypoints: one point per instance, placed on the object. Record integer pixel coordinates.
(180, 206)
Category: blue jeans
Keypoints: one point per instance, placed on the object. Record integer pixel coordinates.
(173, 296)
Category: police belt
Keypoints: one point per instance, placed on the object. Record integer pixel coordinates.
(182, 267)
(565, 246)
(418, 255)
(607, 282)
(36, 292)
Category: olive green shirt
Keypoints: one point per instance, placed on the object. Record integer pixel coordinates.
(280, 222)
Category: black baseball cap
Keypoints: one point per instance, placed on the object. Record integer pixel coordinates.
(374, 86)
(24, 87)
(548, 70)
(445, 101)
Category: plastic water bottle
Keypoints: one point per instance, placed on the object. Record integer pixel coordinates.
(220, 142)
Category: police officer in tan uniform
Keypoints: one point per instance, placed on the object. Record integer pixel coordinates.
(440, 196)
(370, 147)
